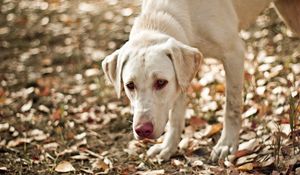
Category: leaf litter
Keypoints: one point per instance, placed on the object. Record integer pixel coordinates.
(59, 114)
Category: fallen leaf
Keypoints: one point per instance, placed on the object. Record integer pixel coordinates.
(3, 168)
(246, 159)
(251, 111)
(249, 145)
(57, 114)
(87, 171)
(18, 141)
(51, 146)
(101, 165)
(241, 153)
(197, 122)
(153, 172)
(197, 163)
(267, 163)
(196, 86)
(184, 143)
(246, 167)
(44, 108)
(38, 135)
(177, 162)
(248, 135)
(220, 88)
(80, 157)
(80, 136)
(4, 127)
(64, 167)
(213, 129)
(27, 106)
(92, 72)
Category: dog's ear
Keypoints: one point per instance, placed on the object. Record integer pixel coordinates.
(112, 66)
(186, 61)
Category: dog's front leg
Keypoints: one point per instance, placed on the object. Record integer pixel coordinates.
(234, 70)
(173, 134)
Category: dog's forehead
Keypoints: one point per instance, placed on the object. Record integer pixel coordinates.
(150, 63)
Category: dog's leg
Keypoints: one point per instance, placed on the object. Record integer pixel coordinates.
(173, 134)
(233, 63)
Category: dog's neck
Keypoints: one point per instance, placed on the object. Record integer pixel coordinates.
(159, 22)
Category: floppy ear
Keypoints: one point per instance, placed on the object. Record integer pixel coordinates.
(186, 61)
(112, 66)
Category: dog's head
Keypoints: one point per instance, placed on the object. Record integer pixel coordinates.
(153, 72)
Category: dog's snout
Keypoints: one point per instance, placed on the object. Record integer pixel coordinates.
(144, 130)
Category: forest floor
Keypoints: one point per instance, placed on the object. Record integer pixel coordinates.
(59, 115)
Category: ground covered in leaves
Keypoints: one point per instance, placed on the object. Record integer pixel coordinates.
(59, 115)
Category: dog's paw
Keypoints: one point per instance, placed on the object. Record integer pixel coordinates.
(224, 147)
(162, 151)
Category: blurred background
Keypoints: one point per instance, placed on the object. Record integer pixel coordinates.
(58, 112)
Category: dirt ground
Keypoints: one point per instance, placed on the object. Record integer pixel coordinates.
(58, 115)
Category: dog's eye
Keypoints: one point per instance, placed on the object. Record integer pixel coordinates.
(159, 84)
(130, 86)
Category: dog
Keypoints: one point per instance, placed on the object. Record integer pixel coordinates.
(166, 46)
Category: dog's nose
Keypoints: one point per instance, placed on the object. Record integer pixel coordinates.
(144, 130)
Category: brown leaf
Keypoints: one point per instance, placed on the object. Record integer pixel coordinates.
(102, 165)
(196, 86)
(57, 114)
(246, 167)
(242, 153)
(197, 122)
(220, 88)
(214, 129)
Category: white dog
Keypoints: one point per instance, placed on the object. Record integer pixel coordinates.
(164, 52)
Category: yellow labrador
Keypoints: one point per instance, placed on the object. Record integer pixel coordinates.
(164, 52)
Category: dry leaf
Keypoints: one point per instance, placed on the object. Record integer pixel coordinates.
(196, 86)
(213, 129)
(184, 143)
(80, 157)
(80, 136)
(18, 141)
(249, 145)
(246, 167)
(3, 168)
(57, 114)
(267, 163)
(27, 106)
(38, 135)
(153, 172)
(92, 72)
(246, 159)
(250, 112)
(197, 122)
(197, 163)
(220, 88)
(248, 135)
(4, 127)
(241, 153)
(177, 162)
(64, 167)
(101, 165)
